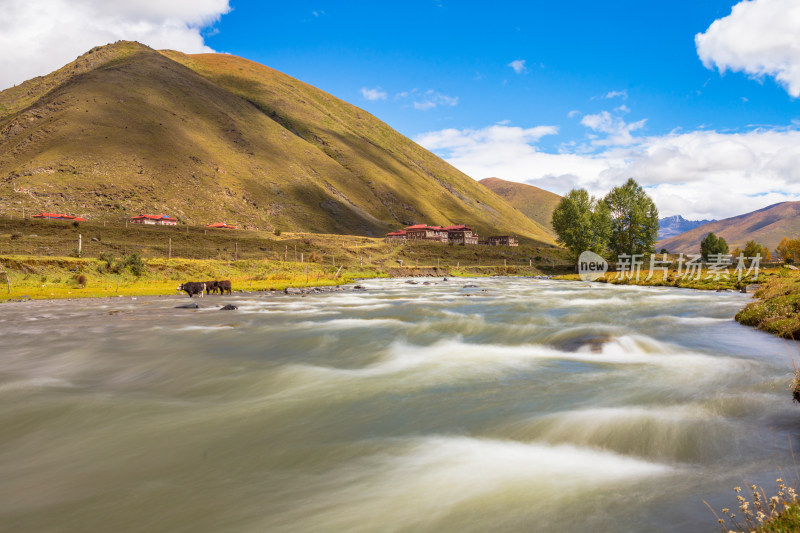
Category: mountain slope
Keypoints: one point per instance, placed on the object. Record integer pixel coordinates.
(213, 137)
(766, 226)
(535, 203)
(675, 225)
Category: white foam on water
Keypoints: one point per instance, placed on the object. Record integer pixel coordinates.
(418, 480)
(34, 383)
(345, 323)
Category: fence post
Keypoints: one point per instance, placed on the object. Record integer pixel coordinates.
(236, 250)
(79, 244)
(306, 273)
(295, 253)
(286, 254)
(169, 251)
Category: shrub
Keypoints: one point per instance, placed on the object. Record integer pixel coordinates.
(108, 257)
(277, 232)
(16, 235)
(76, 224)
(80, 279)
(135, 264)
(314, 257)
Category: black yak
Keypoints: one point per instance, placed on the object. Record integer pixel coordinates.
(192, 288)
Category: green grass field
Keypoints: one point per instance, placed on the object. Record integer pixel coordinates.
(39, 259)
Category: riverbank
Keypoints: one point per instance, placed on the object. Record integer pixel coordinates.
(777, 308)
(33, 278)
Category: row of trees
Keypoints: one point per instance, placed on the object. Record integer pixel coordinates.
(625, 221)
(712, 245)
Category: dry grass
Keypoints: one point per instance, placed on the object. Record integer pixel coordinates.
(756, 513)
(216, 138)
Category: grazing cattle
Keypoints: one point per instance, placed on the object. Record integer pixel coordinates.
(212, 286)
(192, 288)
(224, 285)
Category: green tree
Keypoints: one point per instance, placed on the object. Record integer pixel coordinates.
(711, 245)
(634, 219)
(582, 223)
(752, 248)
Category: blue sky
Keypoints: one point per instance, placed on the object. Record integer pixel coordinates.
(575, 53)
(696, 99)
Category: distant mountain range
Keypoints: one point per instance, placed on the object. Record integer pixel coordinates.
(206, 138)
(766, 226)
(675, 225)
(535, 203)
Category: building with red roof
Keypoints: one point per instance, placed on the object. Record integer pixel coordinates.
(461, 234)
(397, 235)
(424, 232)
(59, 216)
(159, 220)
(220, 225)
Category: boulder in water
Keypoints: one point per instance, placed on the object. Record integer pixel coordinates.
(188, 306)
(228, 307)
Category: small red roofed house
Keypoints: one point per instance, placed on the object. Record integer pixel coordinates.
(424, 232)
(59, 216)
(461, 234)
(160, 220)
(397, 235)
(220, 225)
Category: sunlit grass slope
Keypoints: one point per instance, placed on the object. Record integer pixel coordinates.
(216, 138)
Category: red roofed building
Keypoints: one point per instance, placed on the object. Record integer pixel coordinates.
(160, 220)
(59, 216)
(424, 232)
(220, 225)
(397, 235)
(461, 234)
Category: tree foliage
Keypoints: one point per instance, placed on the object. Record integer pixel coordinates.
(582, 223)
(712, 245)
(634, 219)
(789, 250)
(752, 248)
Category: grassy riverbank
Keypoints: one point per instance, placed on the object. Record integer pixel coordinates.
(24, 277)
(777, 308)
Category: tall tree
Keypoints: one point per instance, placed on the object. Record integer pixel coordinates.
(582, 223)
(752, 248)
(634, 219)
(711, 245)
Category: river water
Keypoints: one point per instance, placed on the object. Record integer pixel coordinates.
(518, 404)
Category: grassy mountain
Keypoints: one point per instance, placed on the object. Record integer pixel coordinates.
(766, 226)
(216, 138)
(535, 203)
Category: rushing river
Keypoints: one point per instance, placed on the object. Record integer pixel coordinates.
(515, 405)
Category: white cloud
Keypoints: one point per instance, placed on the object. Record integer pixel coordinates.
(619, 131)
(37, 37)
(373, 94)
(616, 94)
(519, 66)
(430, 99)
(701, 174)
(574, 113)
(760, 38)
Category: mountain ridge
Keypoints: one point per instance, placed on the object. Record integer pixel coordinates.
(216, 138)
(534, 202)
(766, 226)
(676, 224)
